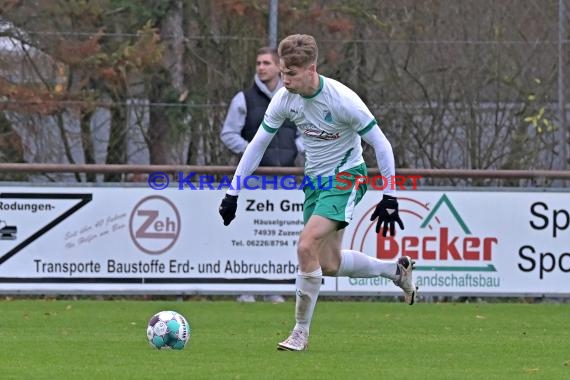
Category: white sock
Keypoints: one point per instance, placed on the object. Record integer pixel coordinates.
(308, 286)
(358, 264)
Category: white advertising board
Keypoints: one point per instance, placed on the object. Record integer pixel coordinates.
(135, 239)
(500, 243)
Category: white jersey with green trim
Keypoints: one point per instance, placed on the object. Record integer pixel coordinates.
(331, 123)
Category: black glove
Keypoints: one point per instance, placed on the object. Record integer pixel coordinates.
(387, 214)
(228, 208)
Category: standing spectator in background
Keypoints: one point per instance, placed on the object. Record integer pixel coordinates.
(244, 117)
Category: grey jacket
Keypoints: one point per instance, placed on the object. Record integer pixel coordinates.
(235, 120)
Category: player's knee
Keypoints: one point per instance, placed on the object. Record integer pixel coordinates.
(329, 269)
(308, 251)
(304, 249)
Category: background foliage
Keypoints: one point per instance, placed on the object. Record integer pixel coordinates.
(469, 84)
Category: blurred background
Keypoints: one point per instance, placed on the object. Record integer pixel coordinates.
(470, 84)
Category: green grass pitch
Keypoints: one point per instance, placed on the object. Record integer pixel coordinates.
(350, 340)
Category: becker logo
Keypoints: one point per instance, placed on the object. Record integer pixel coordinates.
(437, 236)
(154, 224)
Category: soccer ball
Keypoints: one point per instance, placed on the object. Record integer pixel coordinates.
(168, 330)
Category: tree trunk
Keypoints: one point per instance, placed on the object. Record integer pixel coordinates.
(169, 87)
(117, 148)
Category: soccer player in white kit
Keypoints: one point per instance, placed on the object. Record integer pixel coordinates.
(332, 120)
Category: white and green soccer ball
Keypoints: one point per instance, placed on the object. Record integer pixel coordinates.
(168, 330)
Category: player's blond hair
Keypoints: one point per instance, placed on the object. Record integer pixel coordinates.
(298, 50)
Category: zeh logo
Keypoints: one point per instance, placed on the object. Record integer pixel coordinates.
(437, 237)
(155, 224)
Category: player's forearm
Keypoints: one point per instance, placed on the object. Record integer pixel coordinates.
(384, 157)
(250, 159)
